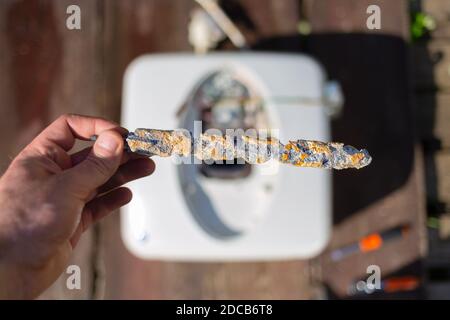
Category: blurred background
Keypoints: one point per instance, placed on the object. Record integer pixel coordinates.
(396, 83)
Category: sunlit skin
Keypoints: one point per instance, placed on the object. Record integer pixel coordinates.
(49, 197)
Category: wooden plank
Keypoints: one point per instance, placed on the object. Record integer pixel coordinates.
(33, 52)
(77, 91)
(371, 66)
(431, 63)
(350, 16)
(138, 29)
(440, 11)
(132, 29)
(272, 18)
(444, 228)
(398, 208)
(442, 160)
(8, 114)
(433, 117)
(48, 70)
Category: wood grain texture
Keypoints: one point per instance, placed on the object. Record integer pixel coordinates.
(8, 115)
(272, 18)
(431, 70)
(350, 16)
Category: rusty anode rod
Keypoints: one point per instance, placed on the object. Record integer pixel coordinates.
(301, 153)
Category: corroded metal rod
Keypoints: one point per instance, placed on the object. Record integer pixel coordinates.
(301, 153)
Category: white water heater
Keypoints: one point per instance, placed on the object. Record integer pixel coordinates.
(238, 212)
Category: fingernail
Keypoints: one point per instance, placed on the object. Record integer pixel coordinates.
(108, 143)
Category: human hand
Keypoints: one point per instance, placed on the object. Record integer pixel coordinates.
(48, 198)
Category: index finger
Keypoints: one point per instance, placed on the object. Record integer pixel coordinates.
(64, 130)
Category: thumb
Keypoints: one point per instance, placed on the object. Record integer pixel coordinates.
(100, 164)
